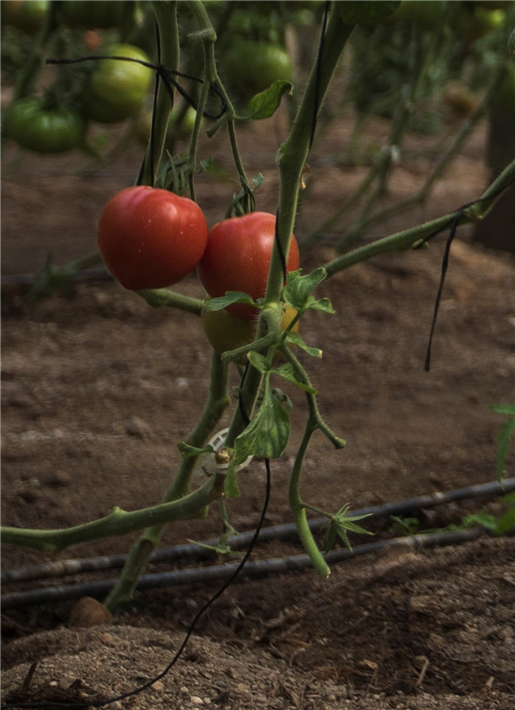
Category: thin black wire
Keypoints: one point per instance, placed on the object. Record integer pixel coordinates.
(198, 615)
(165, 74)
(453, 224)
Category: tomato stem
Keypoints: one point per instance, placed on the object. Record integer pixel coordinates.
(217, 402)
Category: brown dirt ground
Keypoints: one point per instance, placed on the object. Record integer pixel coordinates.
(414, 631)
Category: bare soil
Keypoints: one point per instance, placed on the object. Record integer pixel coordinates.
(98, 390)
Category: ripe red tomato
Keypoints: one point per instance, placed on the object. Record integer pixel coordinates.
(237, 258)
(151, 238)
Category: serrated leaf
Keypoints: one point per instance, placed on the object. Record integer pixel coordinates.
(259, 362)
(209, 166)
(187, 450)
(282, 398)
(221, 302)
(324, 305)
(296, 339)
(366, 11)
(508, 409)
(299, 288)
(286, 371)
(503, 446)
(266, 103)
(231, 487)
(508, 498)
(267, 434)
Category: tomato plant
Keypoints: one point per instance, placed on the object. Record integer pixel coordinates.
(253, 66)
(225, 331)
(45, 130)
(25, 15)
(151, 238)
(237, 258)
(116, 89)
(101, 14)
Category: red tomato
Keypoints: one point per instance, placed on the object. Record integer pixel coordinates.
(237, 258)
(151, 238)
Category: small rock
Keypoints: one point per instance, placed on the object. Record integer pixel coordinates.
(138, 427)
(196, 700)
(58, 479)
(158, 685)
(89, 612)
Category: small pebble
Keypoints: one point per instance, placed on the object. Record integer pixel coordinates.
(196, 700)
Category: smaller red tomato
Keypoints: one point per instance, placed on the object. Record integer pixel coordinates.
(237, 258)
(151, 238)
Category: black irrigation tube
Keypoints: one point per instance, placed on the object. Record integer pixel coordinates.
(251, 569)
(276, 532)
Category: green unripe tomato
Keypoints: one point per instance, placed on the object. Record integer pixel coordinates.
(472, 23)
(225, 331)
(116, 89)
(25, 15)
(504, 97)
(427, 13)
(182, 131)
(45, 130)
(100, 14)
(253, 66)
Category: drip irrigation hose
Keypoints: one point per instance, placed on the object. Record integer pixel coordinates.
(276, 532)
(251, 569)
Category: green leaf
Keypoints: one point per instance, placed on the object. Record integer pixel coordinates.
(218, 304)
(508, 498)
(299, 342)
(299, 288)
(187, 450)
(324, 305)
(366, 11)
(503, 446)
(282, 398)
(486, 520)
(506, 522)
(508, 409)
(266, 103)
(267, 434)
(231, 488)
(287, 372)
(259, 361)
(511, 43)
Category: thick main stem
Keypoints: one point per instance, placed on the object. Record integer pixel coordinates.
(140, 552)
(292, 159)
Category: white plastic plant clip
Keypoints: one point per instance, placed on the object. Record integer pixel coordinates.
(209, 464)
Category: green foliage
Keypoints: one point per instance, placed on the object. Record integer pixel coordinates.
(269, 431)
(339, 525)
(266, 103)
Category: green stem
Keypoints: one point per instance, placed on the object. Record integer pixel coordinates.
(292, 158)
(407, 238)
(32, 67)
(217, 402)
(298, 509)
(166, 16)
(118, 522)
(159, 297)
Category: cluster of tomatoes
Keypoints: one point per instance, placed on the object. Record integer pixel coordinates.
(114, 90)
(150, 238)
